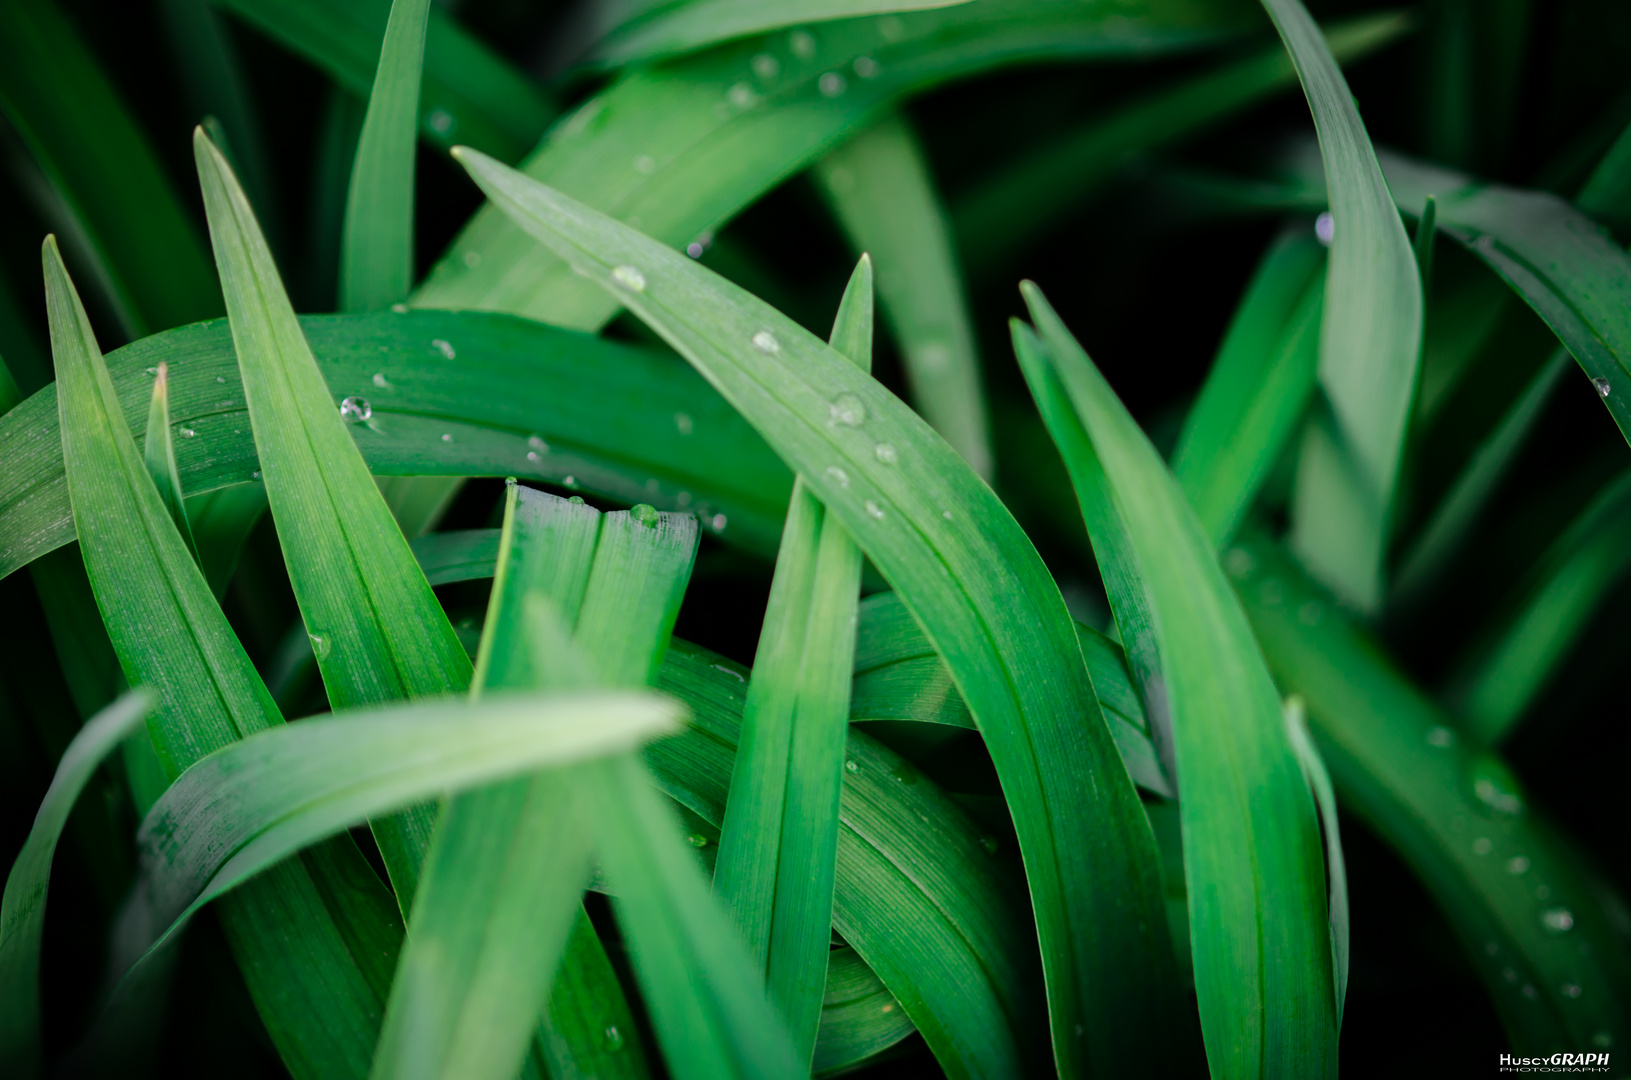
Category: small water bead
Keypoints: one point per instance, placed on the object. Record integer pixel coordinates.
(356, 409)
(645, 515)
(742, 96)
(400, 309)
(447, 436)
(256, 475)
(187, 433)
(839, 476)
(1325, 228)
(1510, 975)
(1483, 846)
(697, 840)
(803, 44)
(1603, 387)
(1518, 864)
(831, 84)
(1569, 990)
(445, 348)
(866, 67)
(630, 278)
(886, 453)
(576, 500)
(874, 509)
(1530, 992)
(152, 371)
(718, 522)
(846, 410)
(1440, 736)
(766, 343)
(1494, 786)
(851, 766)
(571, 482)
(766, 66)
(221, 378)
(946, 514)
(682, 500)
(683, 423)
(532, 455)
(538, 444)
(380, 380)
(472, 259)
(321, 645)
(904, 773)
(441, 121)
(1239, 562)
(611, 1038)
(1557, 920)
(891, 27)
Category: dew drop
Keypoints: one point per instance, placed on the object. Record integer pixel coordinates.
(718, 522)
(1518, 864)
(611, 1038)
(891, 27)
(866, 67)
(630, 278)
(886, 453)
(380, 380)
(1530, 992)
(187, 432)
(1603, 387)
(472, 259)
(356, 409)
(946, 514)
(571, 482)
(576, 500)
(1494, 786)
(256, 475)
(1557, 920)
(1239, 563)
(1509, 974)
(447, 437)
(644, 515)
(682, 500)
(532, 455)
(839, 476)
(846, 410)
(1325, 228)
(851, 766)
(1483, 846)
(695, 249)
(831, 84)
(443, 347)
(400, 309)
(1569, 990)
(904, 773)
(152, 371)
(766, 343)
(441, 121)
(803, 44)
(538, 444)
(874, 509)
(696, 839)
(766, 66)
(321, 645)
(221, 378)
(683, 423)
(1440, 736)
(742, 96)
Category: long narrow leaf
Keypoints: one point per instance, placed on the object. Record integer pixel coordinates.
(1257, 911)
(377, 629)
(972, 578)
(376, 249)
(780, 836)
(22, 913)
(159, 452)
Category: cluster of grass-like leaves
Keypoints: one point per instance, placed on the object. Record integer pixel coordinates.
(1034, 772)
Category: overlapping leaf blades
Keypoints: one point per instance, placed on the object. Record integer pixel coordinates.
(973, 580)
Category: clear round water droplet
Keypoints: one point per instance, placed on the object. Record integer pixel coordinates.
(831, 84)
(152, 371)
(846, 410)
(532, 455)
(696, 839)
(743, 96)
(644, 515)
(441, 121)
(886, 453)
(766, 343)
(718, 522)
(873, 509)
(766, 66)
(380, 380)
(1440, 736)
(683, 423)
(321, 645)
(946, 514)
(851, 766)
(1325, 228)
(1603, 387)
(444, 347)
(1239, 562)
(356, 409)
(1557, 920)
(839, 476)
(611, 1038)
(447, 436)
(1569, 990)
(1494, 786)
(803, 44)
(1518, 864)
(400, 309)
(221, 378)
(866, 67)
(1483, 846)
(905, 773)
(630, 278)
(538, 444)
(695, 249)
(472, 259)
(256, 475)
(571, 482)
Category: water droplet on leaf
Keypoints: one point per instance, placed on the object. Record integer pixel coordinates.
(612, 1039)
(766, 66)
(1603, 387)
(1518, 864)
(846, 410)
(445, 348)
(874, 509)
(321, 645)
(645, 515)
(1440, 736)
(630, 278)
(356, 409)
(1325, 228)
(766, 343)
(886, 453)
(803, 44)
(1558, 920)
(683, 423)
(831, 84)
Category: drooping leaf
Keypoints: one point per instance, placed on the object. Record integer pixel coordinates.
(1258, 387)
(1510, 888)
(377, 629)
(316, 936)
(880, 189)
(973, 580)
(1252, 860)
(1370, 336)
(22, 913)
(525, 400)
(1319, 781)
(376, 248)
(779, 840)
